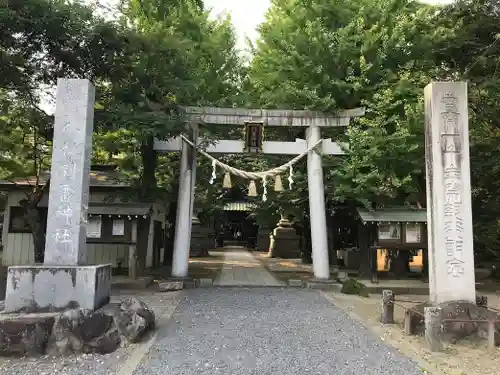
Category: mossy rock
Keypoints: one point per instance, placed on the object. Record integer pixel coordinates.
(353, 286)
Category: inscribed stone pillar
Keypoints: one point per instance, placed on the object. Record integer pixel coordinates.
(449, 216)
(69, 177)
(63, 282)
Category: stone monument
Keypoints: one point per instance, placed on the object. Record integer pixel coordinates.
(285, 243)
(64, 281)
(449, 216)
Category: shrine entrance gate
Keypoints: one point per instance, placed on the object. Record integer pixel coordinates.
(311, 120)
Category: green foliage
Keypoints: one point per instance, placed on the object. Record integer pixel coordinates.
(353, 286)
(322, 55)
(380, 54)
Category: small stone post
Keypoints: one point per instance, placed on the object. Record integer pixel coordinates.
(491, 335)
(433, 327)
(387, 315)
(407, 323)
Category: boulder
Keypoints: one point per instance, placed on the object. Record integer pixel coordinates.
(80, 330)
(101, 331)
(132, 318)
(170, 286)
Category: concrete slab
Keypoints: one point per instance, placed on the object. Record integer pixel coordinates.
(41, 288)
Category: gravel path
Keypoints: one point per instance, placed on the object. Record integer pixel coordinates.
(267, 331)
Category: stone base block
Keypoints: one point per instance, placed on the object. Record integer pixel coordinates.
(25, 335)
(204, 283)
(296, 283)
(324, 284)
(170, 286)
(43, 288)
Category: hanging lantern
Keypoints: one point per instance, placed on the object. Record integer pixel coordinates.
(252, 189)
(278, 185)
(226, 184)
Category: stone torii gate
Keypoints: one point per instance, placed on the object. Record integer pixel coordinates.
(313, 121)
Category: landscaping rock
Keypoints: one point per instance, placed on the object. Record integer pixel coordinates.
(106, 343)
(79, 330)
(25, 336)
(170, 286)
(132, 317)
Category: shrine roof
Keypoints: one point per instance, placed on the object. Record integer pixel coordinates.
(398, 215)
(98, 178)
(126, 209)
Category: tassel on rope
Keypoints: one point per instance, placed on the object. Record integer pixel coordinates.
(278, 185)
(226, 184)
(290, 177)
(264, 185)
(214, 176)
(252, 189)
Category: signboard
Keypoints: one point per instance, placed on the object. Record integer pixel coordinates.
(118, 227)
(94, 226)
(254, 135)
(389, 232)
(412, 233)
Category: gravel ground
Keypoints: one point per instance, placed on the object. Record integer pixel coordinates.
(267, 331)
(163, 304)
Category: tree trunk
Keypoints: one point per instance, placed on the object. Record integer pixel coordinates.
(149, 163)
(37, 230)
(147, 193)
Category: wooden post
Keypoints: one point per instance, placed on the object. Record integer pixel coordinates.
(387, 315)
(132, 253)
(491, 335)
(407, 324)
(433, 322)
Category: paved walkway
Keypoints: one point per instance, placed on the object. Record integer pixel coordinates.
(267, 331)
(242, 269)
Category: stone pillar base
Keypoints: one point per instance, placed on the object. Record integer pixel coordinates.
(44, 288)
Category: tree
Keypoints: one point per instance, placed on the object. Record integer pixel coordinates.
(470, 51)
(40, 41)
